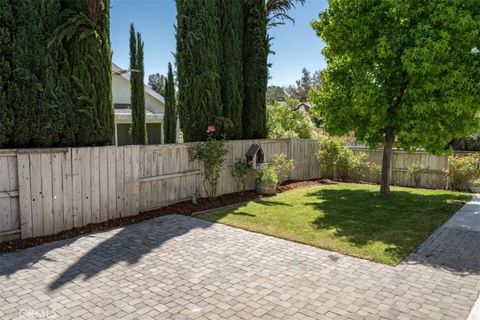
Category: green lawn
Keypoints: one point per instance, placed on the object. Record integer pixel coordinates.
(349, 218)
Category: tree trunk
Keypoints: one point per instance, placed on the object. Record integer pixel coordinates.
(387, 161)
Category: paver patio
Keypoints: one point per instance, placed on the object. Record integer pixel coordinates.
(176, 267)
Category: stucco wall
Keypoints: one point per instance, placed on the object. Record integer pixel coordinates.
(121, 94)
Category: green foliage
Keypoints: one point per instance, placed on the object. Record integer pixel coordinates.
(407, 68)
(475, 183)
(462, 169)
(337, 159)
(268, 175)
(415, 171)
(138, 129)
(374, 169)
(470, 143)
(240, 172)
(86, 71)
(231, 76)
(283, 166)
(255, 69)
(349, 164)
(212, 154)
(170, 118)
(274, 94)
(283, 121)
(6, 70)
(198, 66)
(328, 154)
(302, 87)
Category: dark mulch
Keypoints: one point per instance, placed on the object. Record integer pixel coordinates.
(186, 208)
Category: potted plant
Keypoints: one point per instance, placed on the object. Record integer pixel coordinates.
(267, 181)
(475, 185)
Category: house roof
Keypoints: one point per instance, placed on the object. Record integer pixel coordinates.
(305, 105)
(125, 74)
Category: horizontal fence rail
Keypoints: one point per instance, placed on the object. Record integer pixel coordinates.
(46, 191)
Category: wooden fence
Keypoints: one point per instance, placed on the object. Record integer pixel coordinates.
(45, 191)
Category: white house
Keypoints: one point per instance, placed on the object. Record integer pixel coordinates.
(154, 105)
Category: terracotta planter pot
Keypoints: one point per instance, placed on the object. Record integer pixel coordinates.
(266, 189)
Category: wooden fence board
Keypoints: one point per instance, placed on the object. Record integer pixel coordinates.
(26, 223)
(57, 192)
(67, 188)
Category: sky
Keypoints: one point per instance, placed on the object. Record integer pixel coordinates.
(295, 45)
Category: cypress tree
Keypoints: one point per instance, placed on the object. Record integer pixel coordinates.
(85, 36)
(198, 66)
(7, 23)
(170, 118)
(38, 116)
(255, 69)
(231, 33)
(137, 96)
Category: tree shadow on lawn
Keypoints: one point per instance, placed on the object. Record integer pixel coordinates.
(401, 222)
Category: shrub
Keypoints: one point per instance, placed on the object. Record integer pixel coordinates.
(462, 169)
(283, 166)
(334, 156)
(284, 121)
(330, 149)
(375, 170)
(240, 171)
(268, 175)
(212, 153)
(415, 171)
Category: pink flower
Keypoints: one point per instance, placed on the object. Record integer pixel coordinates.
(211, 129)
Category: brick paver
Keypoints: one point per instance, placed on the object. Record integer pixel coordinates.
(177, 267)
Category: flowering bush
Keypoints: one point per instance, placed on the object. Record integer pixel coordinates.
(212, 154)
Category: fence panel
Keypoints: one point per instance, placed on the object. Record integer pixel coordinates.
(65, 188)
(9, 196)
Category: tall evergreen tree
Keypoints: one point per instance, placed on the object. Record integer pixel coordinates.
(137, 92)
(85, 35)
(231, 35)
(198, 66)
(170, 119)
(7, 22)
(255, 69)
(38, 116)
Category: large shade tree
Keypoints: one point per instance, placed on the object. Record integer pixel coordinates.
(400, 72)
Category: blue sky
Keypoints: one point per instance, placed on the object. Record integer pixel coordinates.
(295, 45)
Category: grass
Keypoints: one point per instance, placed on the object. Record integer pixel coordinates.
(353, 219)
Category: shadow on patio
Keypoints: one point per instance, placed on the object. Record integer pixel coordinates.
(130, 244)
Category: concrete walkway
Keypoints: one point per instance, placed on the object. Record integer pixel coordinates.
(177, 267)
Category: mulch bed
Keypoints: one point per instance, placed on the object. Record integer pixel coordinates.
(186, 208)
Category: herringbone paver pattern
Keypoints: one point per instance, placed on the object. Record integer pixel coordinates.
(177, 267)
